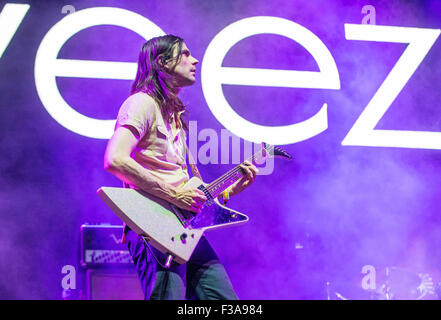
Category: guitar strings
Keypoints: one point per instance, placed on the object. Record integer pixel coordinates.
(230, 174)
(216, 183)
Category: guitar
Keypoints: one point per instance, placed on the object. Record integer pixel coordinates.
(172, 230)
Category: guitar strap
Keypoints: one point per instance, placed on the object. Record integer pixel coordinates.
(192, 163)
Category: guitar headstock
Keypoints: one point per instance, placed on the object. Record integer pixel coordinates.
(275, 151)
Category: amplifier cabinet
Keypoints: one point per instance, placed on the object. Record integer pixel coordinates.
(101, 246)
(113, 285)
(107, 267)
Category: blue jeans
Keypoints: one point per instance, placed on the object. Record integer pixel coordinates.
(203, 277)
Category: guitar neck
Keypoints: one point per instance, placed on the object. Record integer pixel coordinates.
(229, 178)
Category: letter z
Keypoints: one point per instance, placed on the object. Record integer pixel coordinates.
(363, 132)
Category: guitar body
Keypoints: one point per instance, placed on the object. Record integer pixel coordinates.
(166, 227)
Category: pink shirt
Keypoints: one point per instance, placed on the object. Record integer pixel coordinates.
(162, 147)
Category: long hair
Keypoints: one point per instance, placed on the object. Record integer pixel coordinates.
(154, 79)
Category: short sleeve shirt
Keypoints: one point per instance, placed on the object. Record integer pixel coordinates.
(162, 146)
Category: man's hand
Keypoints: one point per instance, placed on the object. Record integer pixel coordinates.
(248, 179)
(189, 199)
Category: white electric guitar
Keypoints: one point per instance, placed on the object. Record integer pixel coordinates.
(172, 230)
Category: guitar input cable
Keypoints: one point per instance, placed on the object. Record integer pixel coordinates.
(166, 267)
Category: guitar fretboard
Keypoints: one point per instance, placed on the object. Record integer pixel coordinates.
(227, 179)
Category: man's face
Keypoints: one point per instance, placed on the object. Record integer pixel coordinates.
(185, 70)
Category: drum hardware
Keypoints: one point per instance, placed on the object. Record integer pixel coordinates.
(391, 283)
(438, 290)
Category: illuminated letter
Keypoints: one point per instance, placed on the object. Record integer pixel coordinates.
(48, 67)
(213, 75)
(363, 132)
(10, 19)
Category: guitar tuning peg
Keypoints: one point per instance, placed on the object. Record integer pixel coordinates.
(280, 152)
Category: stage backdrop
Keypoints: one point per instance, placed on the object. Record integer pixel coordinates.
(355, 101)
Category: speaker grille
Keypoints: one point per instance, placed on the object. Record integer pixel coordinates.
(113, 285)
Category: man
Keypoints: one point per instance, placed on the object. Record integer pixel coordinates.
(148, 151)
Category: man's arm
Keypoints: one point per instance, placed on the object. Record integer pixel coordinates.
(117, 160)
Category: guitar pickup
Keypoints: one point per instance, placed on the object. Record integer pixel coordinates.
(183, 216)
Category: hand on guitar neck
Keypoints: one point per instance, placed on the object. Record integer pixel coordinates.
(193, 199)
(249, 175)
